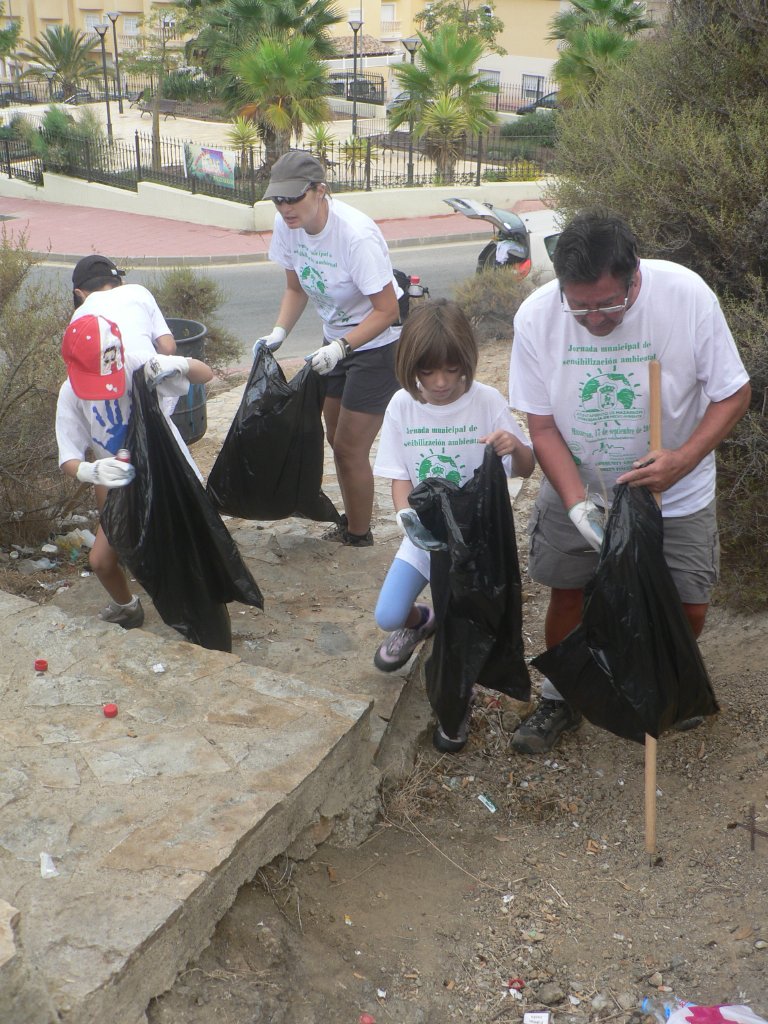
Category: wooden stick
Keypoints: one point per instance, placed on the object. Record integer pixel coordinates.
(654, 382)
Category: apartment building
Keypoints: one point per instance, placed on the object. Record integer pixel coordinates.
(529, 56)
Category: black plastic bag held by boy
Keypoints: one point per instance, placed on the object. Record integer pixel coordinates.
(271, 463)
(476, 591)
(169, 535)
(633, 665)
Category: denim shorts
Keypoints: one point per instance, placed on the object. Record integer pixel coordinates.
(560, 557)
(365, 381)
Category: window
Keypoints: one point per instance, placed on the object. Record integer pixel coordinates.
(91, 21)
(130, 26)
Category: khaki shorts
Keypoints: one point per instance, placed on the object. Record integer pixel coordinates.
(364, 381)
(560, 557)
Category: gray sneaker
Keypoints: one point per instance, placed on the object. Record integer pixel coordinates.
(541, 731)
(128, 618)
(400, 644)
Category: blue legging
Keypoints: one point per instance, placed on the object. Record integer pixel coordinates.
(402, 586)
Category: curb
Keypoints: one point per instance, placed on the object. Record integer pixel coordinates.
(246, 258)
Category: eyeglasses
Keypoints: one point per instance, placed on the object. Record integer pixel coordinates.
(292, 200)
(603, 310)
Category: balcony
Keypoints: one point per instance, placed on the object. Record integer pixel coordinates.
(390, 29)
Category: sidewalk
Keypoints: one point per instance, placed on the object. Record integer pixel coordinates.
(61, 232)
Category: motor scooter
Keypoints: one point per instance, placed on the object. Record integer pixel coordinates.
(510, 246)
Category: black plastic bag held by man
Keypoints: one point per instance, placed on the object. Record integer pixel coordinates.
(633, 665)
(271, 463)
(167, 532)
(476, 591)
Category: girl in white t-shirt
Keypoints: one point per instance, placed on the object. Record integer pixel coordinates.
(437, 426)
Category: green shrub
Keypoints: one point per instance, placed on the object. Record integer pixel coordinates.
(33, 493)
(188, 294)
(491, 299)
(540, 126)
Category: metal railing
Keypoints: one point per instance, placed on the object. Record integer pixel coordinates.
(380, 158)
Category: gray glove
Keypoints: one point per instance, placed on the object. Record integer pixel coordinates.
(159, 367)
(588, 520)
(413, 528)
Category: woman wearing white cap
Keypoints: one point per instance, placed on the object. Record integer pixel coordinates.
(336, 256)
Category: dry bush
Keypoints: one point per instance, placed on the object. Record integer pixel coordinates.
(188, 294)
(33, 493)
(491, 299)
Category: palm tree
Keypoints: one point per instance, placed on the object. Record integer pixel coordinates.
(582, 66)
(244, 134)
(625, 16)
(447, 97)
(233, 24)
(66, 53)
(280, 86)
(595, 35)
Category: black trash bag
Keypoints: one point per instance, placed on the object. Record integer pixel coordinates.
(166, 531)
(633, 665)
(271, 463)
(476, 591)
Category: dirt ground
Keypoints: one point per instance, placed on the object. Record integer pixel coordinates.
(540, 895)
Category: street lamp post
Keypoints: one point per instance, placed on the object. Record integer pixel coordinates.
(412, 43)
(355, 24)
(101, 29)
(113, 16)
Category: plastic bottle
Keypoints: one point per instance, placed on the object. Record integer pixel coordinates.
(415, 288)
(662, 1005)
(123, 455)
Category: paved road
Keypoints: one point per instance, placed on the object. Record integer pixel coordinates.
(254, 290)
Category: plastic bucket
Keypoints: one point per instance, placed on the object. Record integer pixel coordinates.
(190, 417)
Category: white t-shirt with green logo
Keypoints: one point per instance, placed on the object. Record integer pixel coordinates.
(419, 441)
(597, 388)
(339, 268)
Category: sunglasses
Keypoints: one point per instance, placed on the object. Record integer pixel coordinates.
(292, 200)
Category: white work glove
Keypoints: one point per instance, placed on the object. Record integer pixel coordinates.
(272, 341)
(413, 528)
(106, 472)
(325, 358)
(588, 520)
(159, 367)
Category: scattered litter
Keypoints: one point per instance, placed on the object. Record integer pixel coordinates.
(537, 1017)
(49, 549)
(516, 983)
(110, 710)
(41, 665)
(487, 802)
(366, 1018)
(574, 1000)
(47, 868)
(381, 993)
(507, 898)
(84, 574)
(348, 920)
(159, 667)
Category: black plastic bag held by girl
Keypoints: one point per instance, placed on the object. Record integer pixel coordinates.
(476, 591)
(633, 665)
(271, 463)
(169, 535)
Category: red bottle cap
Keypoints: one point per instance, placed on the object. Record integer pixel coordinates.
(110, 710)
(415, 279)
(41, 665)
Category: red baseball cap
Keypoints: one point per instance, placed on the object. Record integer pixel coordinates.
(93, 351)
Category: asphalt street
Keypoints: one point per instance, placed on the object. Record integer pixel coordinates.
(253, 291)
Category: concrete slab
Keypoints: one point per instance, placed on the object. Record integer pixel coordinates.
(152, 819)
(212, 767)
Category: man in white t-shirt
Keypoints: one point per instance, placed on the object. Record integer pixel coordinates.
(579, 369)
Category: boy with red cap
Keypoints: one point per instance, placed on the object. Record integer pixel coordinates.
(92, 413)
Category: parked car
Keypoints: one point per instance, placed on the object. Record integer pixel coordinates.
(546, 102)
(397, 101)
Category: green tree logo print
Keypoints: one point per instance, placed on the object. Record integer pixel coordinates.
(442, 467)
(607, 392)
